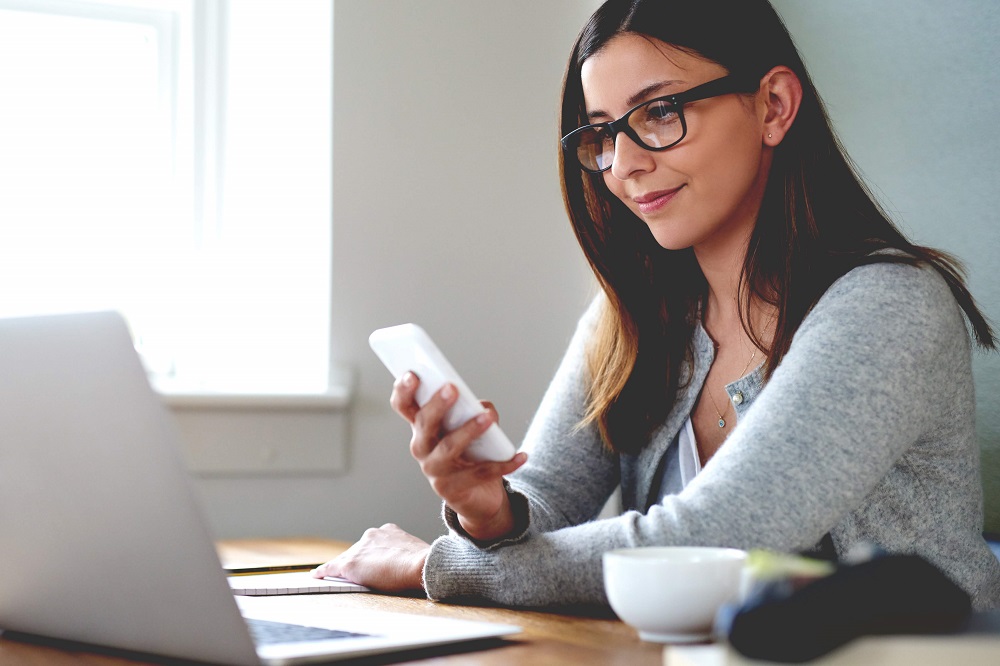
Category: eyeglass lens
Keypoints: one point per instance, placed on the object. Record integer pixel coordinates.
(656, 125)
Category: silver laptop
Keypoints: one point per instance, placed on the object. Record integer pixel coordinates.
(101, 538)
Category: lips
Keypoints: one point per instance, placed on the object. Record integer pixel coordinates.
(654, 201)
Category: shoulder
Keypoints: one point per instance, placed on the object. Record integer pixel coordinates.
(588, 324)
(886, 308)
(891, 294)
(891, 278)
(574, 362)
(595, 310)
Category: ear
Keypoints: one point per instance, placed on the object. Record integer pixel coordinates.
(782, 92)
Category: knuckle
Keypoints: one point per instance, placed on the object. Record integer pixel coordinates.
(445, 448)
(425, 467)
(395, 401)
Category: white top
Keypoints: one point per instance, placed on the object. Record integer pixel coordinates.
(687, 454)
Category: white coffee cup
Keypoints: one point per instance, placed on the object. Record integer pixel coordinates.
(671, 594)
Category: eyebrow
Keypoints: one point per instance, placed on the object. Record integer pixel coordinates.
(636, 98)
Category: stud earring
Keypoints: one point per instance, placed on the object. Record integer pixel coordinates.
(769, 135)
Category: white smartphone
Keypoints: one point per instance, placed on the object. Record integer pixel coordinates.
(407, 347)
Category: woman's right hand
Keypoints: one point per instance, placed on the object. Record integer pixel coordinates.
(474, 490)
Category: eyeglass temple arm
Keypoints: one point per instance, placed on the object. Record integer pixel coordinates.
(723, 86)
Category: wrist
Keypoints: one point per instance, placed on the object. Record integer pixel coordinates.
(494, 527)
(417, 564)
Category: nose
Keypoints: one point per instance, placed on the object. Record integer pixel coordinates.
(630, 158)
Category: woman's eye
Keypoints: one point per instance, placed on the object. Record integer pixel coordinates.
(660, 112)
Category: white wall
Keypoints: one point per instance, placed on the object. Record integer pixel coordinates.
(913, 87)
(447, 212)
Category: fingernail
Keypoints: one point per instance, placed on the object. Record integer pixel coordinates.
(408, 379)
(448, 392)
(484, 419)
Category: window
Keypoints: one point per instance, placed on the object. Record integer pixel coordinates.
(172, 159)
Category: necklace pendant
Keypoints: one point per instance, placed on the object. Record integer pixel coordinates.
(722, 423)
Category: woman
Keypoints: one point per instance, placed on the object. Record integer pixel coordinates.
(771, 364)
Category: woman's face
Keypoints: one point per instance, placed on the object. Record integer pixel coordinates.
(706, 190)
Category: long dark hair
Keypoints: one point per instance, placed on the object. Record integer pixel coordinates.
(817, 221)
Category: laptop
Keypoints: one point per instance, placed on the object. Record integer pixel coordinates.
(102, 540)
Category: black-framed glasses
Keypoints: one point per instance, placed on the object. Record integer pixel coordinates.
(655, 125)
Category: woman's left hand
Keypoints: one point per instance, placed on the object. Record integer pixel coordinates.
(385, 558)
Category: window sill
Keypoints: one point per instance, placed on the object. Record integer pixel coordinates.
(337, 397)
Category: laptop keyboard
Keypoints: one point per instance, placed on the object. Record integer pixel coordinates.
(265, 632)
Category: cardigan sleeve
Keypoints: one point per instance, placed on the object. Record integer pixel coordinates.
(859, 385)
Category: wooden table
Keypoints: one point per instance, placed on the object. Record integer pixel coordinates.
(593, 637)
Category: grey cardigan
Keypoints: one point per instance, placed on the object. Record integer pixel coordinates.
(865, 431)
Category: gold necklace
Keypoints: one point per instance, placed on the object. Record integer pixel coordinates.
(722, 419)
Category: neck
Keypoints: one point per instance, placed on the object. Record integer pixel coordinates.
(722, 255)
(722, 265)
